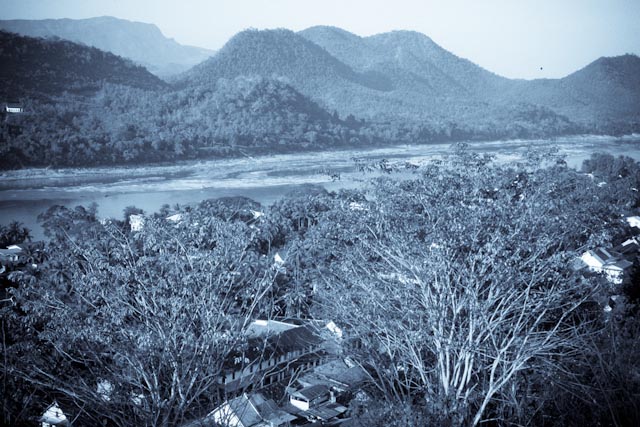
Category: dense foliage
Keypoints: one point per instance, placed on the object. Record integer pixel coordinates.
(140, 42)
(124, 125)
(452, 283)
(37, 67)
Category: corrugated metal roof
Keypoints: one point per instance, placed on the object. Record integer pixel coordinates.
(311, 392)
(298, 338)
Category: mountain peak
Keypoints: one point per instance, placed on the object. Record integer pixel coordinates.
(273, 52)
(404, 35)
(622, 64)
(628, 59)
(329, 31)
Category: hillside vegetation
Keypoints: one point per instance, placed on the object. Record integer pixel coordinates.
(33, 68)
(142, 43)
(277, 90)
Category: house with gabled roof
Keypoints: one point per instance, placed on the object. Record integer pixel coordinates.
(609, 262)
(246, 411)
(336, 374)
(10, 255)
(275, 350)
(597, 258)
(310, 396)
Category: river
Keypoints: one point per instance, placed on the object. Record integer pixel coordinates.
(24, 194)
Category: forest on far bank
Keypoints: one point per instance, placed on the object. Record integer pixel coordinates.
(121, 125)
(453, 284)
(83, 107)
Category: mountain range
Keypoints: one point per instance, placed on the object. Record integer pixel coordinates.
(142, 43)
(281, 90)
(404, 74)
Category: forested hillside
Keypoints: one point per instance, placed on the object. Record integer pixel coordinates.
(452, 284)
(400, 76)
(602, 95)
(32, 68)
(142, 43)
(605, 92)
(121, 124)
(276, 90)
(84, 107)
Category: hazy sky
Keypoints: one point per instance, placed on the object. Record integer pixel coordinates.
(514, 38)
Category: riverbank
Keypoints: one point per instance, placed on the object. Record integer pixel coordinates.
(30, 178)
(24, 194)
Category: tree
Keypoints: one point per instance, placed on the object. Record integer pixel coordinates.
(455, 288)
(138, 329)
(13, 234)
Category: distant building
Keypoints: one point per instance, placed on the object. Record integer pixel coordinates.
(54, 417)
(10, 254)
(256, 214)
(634, 221)
(12, 107)
(136, 222)
(278, 259)
(174, 218)
(611, 263)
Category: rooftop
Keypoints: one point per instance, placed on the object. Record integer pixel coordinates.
(272, 339)
(620, 265)
(325, 411)
(336, 374)
(253, 410)
(261, 328)
(603, 255)
(311, 392)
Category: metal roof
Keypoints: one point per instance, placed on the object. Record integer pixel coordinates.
(311, 392)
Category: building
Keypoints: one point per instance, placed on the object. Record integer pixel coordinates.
(136, 222)
(10, 255)
(615, 272)
(246, 411)
(13, 108)
(54, 417)
(596, 259)
(312, 396)
(634, 221)
(337, 374)
(609, 262)
(629, 249)
(315, 403)
(176, 218)
(281, 350)
(274, 352)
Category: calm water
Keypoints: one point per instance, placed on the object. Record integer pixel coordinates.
(25, 194)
